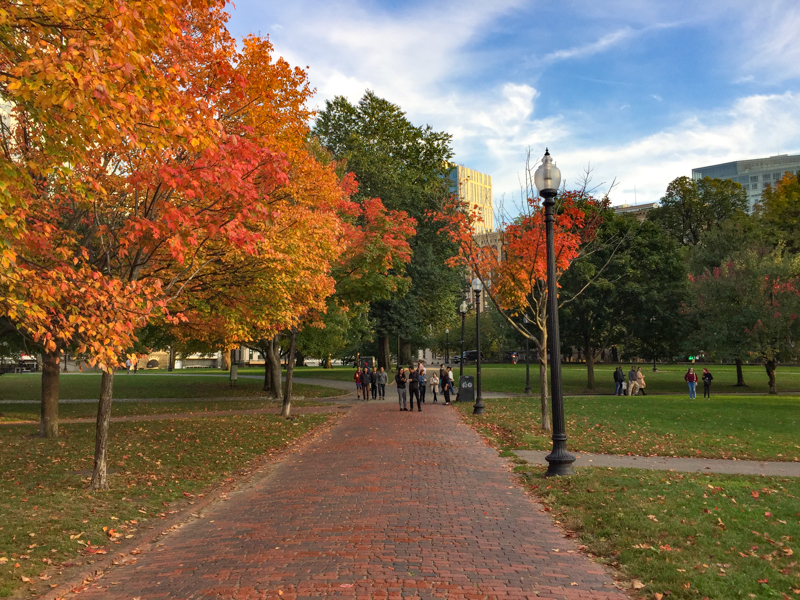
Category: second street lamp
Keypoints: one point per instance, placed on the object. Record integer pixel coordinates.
(479, 407)
(463, 310)
(527, 360)
(547, 178)
(447, 347)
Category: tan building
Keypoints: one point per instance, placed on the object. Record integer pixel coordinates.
(637, 211)
(475, 190)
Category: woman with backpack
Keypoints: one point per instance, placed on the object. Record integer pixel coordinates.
(707, 379)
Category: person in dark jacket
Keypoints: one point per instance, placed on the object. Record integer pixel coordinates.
(707, 379)
(413, 389)
(400, 379)
(373, 384)
(447, 387)
(619, 378)
(365, 383)
(423, 382)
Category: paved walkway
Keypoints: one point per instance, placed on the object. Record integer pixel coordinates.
(386, 505)
(664, 463)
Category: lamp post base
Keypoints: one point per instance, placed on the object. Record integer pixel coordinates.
(559, 460)
(479, 408)
(528, 390)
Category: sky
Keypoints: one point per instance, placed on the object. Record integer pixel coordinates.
(639, 92)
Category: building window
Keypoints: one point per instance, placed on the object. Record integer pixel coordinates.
(753, 178)
(754, 186)
(766, 177)
(776, 176)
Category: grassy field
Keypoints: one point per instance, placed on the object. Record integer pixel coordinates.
(51, 521)
(668, 380)
(10, 413)
(683, 536)
(147, 385)
(754, 427)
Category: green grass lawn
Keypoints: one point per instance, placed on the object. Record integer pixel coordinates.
(683, 536)
(754, 427)
(668, 380)
(30, 412)
(146, 385)
(49, 518)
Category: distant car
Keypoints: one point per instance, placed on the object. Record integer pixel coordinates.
(468, 356)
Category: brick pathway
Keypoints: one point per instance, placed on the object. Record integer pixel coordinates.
(386, 505)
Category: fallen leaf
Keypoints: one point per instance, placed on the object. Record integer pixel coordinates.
(636, 584)
(658, 596)
(25, 579)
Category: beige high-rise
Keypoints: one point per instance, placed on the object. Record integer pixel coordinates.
(475, 190)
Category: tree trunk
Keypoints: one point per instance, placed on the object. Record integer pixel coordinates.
(546, 426)
(51, 369)
(287, 390)
(226, 360)
(770, 366)
(405, 352)
(100, 474)
(275, 361)
(267, 368)
(300, 359)
(328, 362)
(384, 357)
(739, 374)
(589, 354)
(171, 360)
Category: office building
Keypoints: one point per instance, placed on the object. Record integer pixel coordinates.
(754, 175)
(475, 190)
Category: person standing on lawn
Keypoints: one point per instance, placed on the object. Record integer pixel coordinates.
(691, 379)
(640, 380)
(434, 386)
(383, 379)
(619, 379)
(400, 379)
(707, 379)
(633, 385)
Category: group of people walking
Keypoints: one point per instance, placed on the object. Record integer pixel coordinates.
(370, 382)
(635, 384)
(412, 384)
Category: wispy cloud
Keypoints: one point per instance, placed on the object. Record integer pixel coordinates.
(604, 43)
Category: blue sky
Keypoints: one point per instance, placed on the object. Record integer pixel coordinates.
(641, 90)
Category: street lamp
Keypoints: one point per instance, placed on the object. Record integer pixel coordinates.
(547, 179)
(447, 347)
(463, 310)
(479, 407)
(527, 360)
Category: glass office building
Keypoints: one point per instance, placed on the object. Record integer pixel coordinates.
(754, 175)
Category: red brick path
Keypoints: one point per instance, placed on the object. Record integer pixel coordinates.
(386, 505)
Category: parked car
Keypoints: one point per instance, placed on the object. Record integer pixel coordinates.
(468, 356)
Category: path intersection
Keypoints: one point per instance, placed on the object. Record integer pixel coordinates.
(386, 505)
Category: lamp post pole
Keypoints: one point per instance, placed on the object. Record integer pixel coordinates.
(547, 179)
(479, 407)
(463, 310)
(447, 347)
(527, 360)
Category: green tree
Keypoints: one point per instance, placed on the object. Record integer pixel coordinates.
(779, 213)
(406, 166)
(691, 207)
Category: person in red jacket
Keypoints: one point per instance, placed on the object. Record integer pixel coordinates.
(691, 379)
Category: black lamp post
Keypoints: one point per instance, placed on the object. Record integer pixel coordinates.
(527, 360)
(547, 179)
(447, 347)
(463, 312)
(479, 406)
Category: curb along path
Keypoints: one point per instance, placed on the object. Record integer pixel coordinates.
(387, 505)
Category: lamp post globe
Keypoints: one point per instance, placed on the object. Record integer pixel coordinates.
(547, 179)
(479, 407)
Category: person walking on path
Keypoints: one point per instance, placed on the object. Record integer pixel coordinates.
(691, 379)
(383, 379)
(619, 379)
(447, 387)
(423, 382)
(707, 379)
(365, 383)
(633, 386)
(442, 377)
(640, 380)
(413, 389)
(400, 379)
(357, 378)
(373, 384)
(434, 386)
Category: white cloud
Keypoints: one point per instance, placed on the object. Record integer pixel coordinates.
(604, 43)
